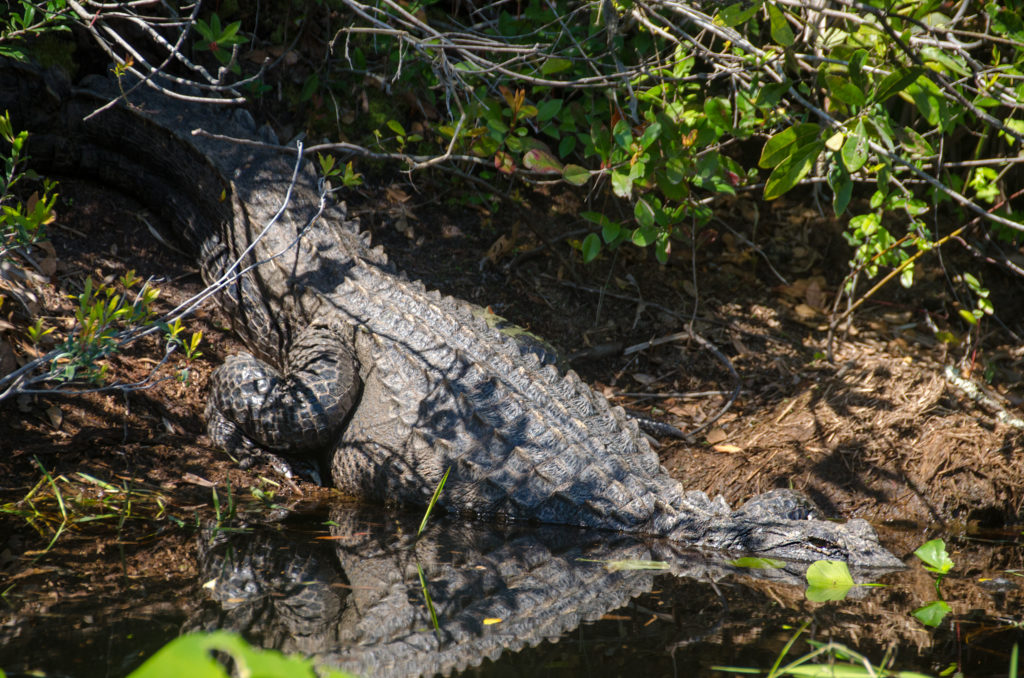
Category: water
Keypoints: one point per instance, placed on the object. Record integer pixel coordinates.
(525, 601)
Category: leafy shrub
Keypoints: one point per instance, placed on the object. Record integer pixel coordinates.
(899, 111)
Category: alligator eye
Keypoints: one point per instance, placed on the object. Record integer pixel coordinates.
(262, 386)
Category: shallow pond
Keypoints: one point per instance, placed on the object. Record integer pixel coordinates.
(345, 587)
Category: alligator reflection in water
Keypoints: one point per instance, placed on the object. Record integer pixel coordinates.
(362, 608)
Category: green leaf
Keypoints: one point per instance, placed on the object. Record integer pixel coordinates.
(933, 613)
(623, 135)
(229, 36)
(934, 555)
(575, 175)
(555, 65)
(856, 69)
(590, 248)
(627, 565)
(934, 57)
(310, 87)
(396, 127)
(719, 113)
(753, 563)
(791, 170)
(661, 249)
(610, 231)
(650, 135)
(675, 169)
(855, 150)
(771, 94)
(622, 185)
(842, 188)
(548, 109)
(828, 580)
(782, 32)
(642, 237)
(896, 82)
(539, 160)
(644, 213)
(566, 145)
(192, 655)
(928, 98)
(829, 573)
(845, 91)
(737, 13)
(916, 144)
(782, 145)
(527, 111)
(595, 218)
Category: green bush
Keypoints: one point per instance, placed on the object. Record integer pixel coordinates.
(901, 111)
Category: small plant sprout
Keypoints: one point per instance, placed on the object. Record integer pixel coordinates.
(36, 332)
(330, 170)
(936, 560)
(219, 40)
(935, 557)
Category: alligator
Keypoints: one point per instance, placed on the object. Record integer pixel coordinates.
(396, 385)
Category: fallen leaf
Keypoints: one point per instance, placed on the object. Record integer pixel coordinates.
(739, 346)
(196, 480)
(814, 295)
(716, 435)
(47, 264)
(805, 312)
(502, 246)
(396, 194)
(55, 416)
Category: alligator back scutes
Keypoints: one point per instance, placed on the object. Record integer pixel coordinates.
(442, 389)
(441, 328)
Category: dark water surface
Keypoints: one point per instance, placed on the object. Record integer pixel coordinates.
(345, 588)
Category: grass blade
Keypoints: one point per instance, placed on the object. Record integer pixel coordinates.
(430, 603)
(433, 500)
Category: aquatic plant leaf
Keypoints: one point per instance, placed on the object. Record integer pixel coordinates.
(191, 655)
(758, 563)
(845, 671)
(622, 565)
(828, 580)
(933, 613)
(935, 557)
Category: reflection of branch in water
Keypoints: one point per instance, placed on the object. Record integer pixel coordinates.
(361, 608)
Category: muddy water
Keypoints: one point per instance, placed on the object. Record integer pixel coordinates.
(344, 587)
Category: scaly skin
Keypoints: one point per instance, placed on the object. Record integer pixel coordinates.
(327, 315)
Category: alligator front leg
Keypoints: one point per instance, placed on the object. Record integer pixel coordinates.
(299, 410)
